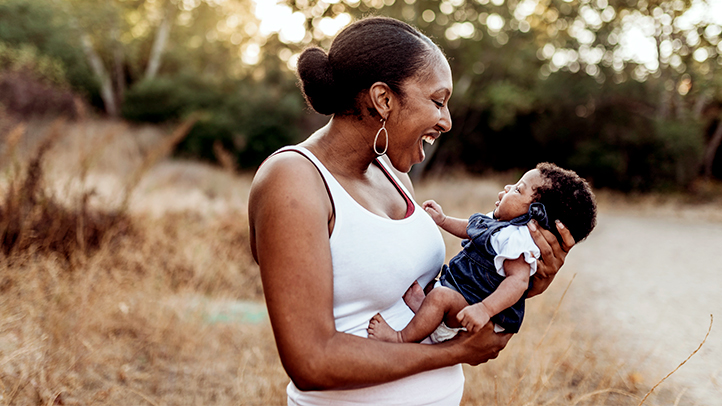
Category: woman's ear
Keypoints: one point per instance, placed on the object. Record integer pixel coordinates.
(382, 98)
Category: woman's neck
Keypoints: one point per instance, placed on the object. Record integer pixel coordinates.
(344, 145)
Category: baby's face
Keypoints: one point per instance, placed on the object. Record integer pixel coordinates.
(515, 199)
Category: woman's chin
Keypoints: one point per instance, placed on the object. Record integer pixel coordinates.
(422, 153)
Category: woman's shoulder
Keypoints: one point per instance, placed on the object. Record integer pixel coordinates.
(284, 176)
(288, 167)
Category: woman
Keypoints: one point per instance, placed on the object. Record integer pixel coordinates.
(338, 237)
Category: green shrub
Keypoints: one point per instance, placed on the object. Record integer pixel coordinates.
(44, 25)
(607, 133)
(169, 98)
(250, 119)
(679, 147)
(33, 84)
(28, 60)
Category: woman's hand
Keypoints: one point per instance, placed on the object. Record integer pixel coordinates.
(481, 346)
(552, 254)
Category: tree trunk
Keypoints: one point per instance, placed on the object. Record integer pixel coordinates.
(118, 73)
(106, 84)
(663, 108)
(678, 105)
(712, 148)
(702, 99)
(159, 43)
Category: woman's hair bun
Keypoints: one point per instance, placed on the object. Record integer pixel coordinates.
(316, 76)
(370, 50)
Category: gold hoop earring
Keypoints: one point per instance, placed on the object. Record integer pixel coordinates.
(383, 128)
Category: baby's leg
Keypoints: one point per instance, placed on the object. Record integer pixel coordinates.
(441, 304)
(414, 296)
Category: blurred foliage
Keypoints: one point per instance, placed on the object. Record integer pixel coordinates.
(534, 80)
(252, 115)
(169, 98)
(548, 81)
(250, 118)
(33, 84)
(44, 27)
(28, 60)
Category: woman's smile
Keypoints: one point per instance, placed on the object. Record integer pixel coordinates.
(429, 139)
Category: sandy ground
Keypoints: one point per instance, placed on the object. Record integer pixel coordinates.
(651, 282)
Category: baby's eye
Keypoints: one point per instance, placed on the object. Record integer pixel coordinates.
(438, 103)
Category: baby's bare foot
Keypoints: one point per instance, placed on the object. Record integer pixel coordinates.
(414, 296)
(380, 330)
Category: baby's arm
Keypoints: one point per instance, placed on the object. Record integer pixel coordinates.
(510, 290)
(452, 225)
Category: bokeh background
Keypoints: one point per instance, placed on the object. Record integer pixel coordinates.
(130, 131)
(628, 93)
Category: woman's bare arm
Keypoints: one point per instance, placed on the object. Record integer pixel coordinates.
(289, 213)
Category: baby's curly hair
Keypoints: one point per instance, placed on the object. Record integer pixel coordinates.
(567, 197)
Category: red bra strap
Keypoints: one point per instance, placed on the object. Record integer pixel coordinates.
(410, 207)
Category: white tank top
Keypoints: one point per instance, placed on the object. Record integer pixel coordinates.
(375, 260)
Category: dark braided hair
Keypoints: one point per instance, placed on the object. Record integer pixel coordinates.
(567, 197)
(373, 49)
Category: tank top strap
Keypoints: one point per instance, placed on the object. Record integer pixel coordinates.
(334, 188)
(328, 180)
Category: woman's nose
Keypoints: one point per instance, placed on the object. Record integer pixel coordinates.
(445, 119)
(507, 188)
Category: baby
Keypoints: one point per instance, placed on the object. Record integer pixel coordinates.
(489, 278)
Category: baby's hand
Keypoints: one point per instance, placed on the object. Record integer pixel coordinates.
(473, 317)
(435, 211)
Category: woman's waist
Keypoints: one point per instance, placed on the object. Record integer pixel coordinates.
(351, 319)
(438, 387)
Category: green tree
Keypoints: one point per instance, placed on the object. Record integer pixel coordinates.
(126, 42)
(560, 80)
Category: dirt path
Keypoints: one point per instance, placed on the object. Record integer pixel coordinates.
(651, 283)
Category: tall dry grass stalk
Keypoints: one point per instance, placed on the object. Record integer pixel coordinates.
(31, 219)
(711, 320)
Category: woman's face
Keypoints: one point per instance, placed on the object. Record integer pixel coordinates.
(423, 116)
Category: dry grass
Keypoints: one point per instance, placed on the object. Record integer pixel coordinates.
(113, 260)
(95, 294)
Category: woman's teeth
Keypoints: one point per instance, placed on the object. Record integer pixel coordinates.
(429, 139)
